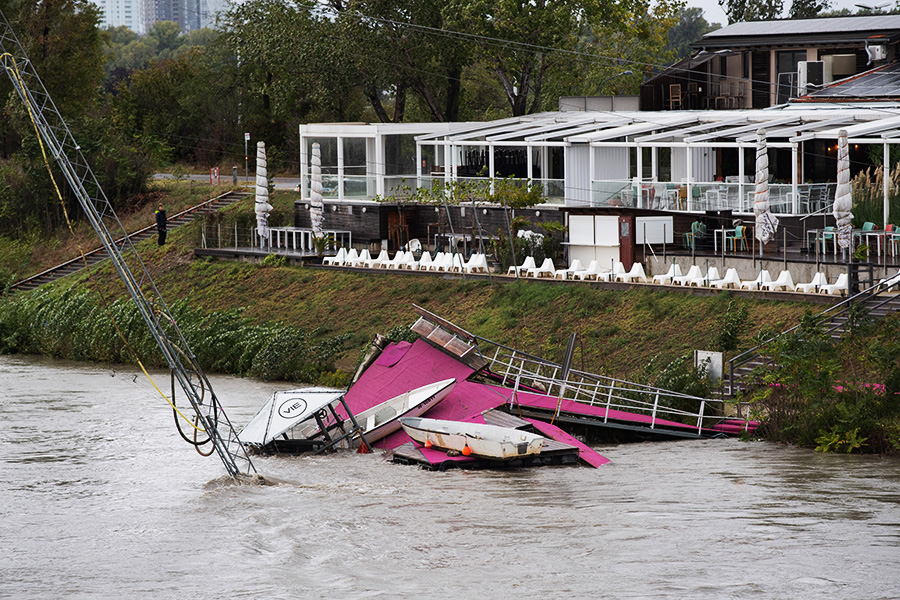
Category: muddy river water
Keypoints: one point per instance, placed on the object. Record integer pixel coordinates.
(100, 498)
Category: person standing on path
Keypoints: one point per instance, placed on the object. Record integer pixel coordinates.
(161, 224)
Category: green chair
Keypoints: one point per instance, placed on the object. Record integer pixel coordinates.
(827, 236)
(698, 230)
(738, 235)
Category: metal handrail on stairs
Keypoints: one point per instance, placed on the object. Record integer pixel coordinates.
(841, 307)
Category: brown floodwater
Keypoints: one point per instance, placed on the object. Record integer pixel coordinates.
(100, 498)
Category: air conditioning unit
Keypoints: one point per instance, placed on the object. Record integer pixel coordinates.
(810, 76)
(876, 52)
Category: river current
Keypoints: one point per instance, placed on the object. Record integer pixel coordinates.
(100, 498)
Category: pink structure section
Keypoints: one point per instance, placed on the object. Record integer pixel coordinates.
(405, 366)
(585, 453)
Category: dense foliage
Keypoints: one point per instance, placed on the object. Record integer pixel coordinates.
(78, 326)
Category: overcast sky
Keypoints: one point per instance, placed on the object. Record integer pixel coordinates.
(713, 13)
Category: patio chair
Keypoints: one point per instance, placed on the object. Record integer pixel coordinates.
(575, 266)
(763, 277)
(441, 261)
(818, 281)
(360, 260)
(425, 261)
(455, 264)
(618, 269)
(702, 281)
(674, 271)
(528, 264)
(731, 279)
(827, 236)
(336, 260)
(698, 231)
(378, 262)
(889, 282)
(738, 235)
(636, 273)
(401, 260)
(546, 268)
(591, 272)
(784, 281)
(693, 273)
(477, 263)
(841, 286)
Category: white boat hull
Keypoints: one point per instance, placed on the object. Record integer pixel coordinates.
(485, 441)
(384, 419)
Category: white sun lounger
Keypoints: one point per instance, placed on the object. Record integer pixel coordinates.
(477, 263)
(528, 264)
(546, 268)
(693, 273)
(763, 277)
(784, 281)
(591, 272)
(673, 272)
(378, 262)
(636, 273)
(573, 268)
(818, 280)
(840, 286)
(731, 279)
(336, 260)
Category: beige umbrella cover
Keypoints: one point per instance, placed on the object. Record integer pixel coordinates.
(316, 207)
(766, 222)
(843, 202)
(262, 207)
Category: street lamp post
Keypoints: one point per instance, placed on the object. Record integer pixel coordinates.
(600, 87)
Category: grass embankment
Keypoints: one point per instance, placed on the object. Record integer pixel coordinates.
(291, 322)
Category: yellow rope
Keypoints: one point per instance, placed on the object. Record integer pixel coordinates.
(18, 78)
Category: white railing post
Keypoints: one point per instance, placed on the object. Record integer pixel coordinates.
(653, 416)
(700, 417)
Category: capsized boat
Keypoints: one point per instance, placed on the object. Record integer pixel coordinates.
(383, 419)
(285, 410)
(485, 441)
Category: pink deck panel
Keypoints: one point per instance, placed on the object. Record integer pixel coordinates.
(585, 453)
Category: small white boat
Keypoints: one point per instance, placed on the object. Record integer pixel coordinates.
(485, 441)
(284, 411)
(383, 419)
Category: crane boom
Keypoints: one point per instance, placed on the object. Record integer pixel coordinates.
(61, 146)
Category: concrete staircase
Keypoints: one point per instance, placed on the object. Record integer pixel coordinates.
(99, 254)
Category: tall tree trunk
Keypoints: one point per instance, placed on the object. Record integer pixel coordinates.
(400, 102)
(451, 113)
(375, 101)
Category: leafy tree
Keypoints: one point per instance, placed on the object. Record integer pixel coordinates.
(807, 9)
(691, 26)
(751, 10)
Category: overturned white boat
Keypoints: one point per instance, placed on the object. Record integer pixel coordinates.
(284, 411)
(473, 439)
(384, 419)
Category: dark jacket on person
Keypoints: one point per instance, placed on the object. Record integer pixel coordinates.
(161, 220)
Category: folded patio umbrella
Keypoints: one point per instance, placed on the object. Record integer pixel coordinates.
(316, 207)
(843, 202)
(263, 208)
(766, 222)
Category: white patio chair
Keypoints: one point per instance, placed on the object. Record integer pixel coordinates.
(336, 260)
(565, 273)
(763, 277)
(546, 268)
(378, 262)
(818, 280)
(731, 279)
(889, 282)
(784, 281)
(618, 269)
(435, 264)
(360, 260)
(590, 273)
(674, 271)
(841, 286)
(693, 273)
(528, 264)
(477, 263)
(394, 262)
(425, 261)
(636, 273)
(455, 264)
(702, 281)
(409, 261)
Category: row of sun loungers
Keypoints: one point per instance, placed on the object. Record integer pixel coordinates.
(477, 263)
(441, 261)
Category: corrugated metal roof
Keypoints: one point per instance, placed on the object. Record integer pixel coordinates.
(872, 24)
